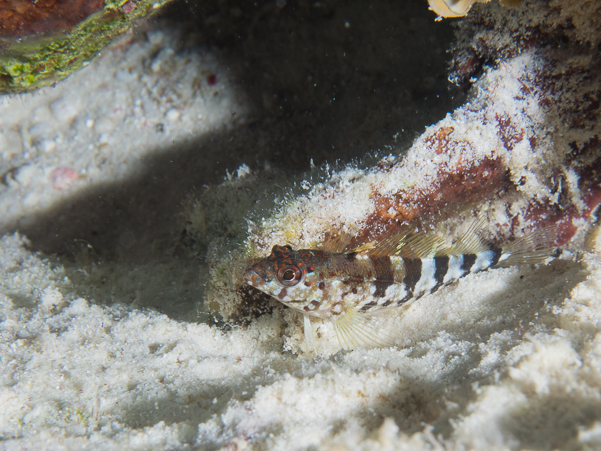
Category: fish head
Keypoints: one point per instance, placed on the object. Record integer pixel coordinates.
(292, 277)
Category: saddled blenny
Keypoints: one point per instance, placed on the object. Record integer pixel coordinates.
(354, 289)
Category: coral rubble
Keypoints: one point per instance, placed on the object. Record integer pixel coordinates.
(524, 152)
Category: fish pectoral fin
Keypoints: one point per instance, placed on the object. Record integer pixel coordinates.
(355, 329)
(309, 335)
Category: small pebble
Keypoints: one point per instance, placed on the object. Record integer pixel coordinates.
(40, 128)
(41, 113)
(155, 37)
(89, 123)
(63, 110)
(104, 125)
(31, 199)
(93, 172)
(124, 76)
(63, 177)
(172, 115)
(46, 145)
(162, 56)
(51, 300)
(10, 143)
(25, 174)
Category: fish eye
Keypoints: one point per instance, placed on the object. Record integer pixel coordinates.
(289, 275)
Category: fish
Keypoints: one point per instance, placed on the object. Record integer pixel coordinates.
(357, 289)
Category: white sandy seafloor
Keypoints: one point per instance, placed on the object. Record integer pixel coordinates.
(509, 359)
(79, 375)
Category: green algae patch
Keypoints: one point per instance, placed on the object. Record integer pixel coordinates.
(36, 61)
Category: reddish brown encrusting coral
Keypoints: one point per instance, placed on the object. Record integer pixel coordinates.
(128, 7)
(591, 147)
(440, 140)
(20, 18)
(466, 65)
(508, 132)
(590, 183)
(467, 182)
(507, 150)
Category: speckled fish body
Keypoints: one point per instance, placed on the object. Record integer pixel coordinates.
(325, 284)
(349, 288)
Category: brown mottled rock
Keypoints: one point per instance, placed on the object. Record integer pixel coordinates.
(44, 41)
(20, 18)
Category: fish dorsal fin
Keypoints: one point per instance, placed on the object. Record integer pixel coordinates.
(336, 244)
(422, 245)
(541, 239)
(532, 248)
(408, 244)
(470, 242)
(388, 246)
(355, 329)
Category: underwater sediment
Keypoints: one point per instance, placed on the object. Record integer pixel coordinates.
(102, 342)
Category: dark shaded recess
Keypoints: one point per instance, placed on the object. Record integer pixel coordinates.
(136, 218)
(333, 80)
(322, 91)
(552, 421)
(254, 303)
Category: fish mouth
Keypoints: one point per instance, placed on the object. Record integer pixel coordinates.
(252, 278)
(247, 276)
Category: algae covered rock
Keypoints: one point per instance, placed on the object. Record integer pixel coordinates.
(43, 42)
